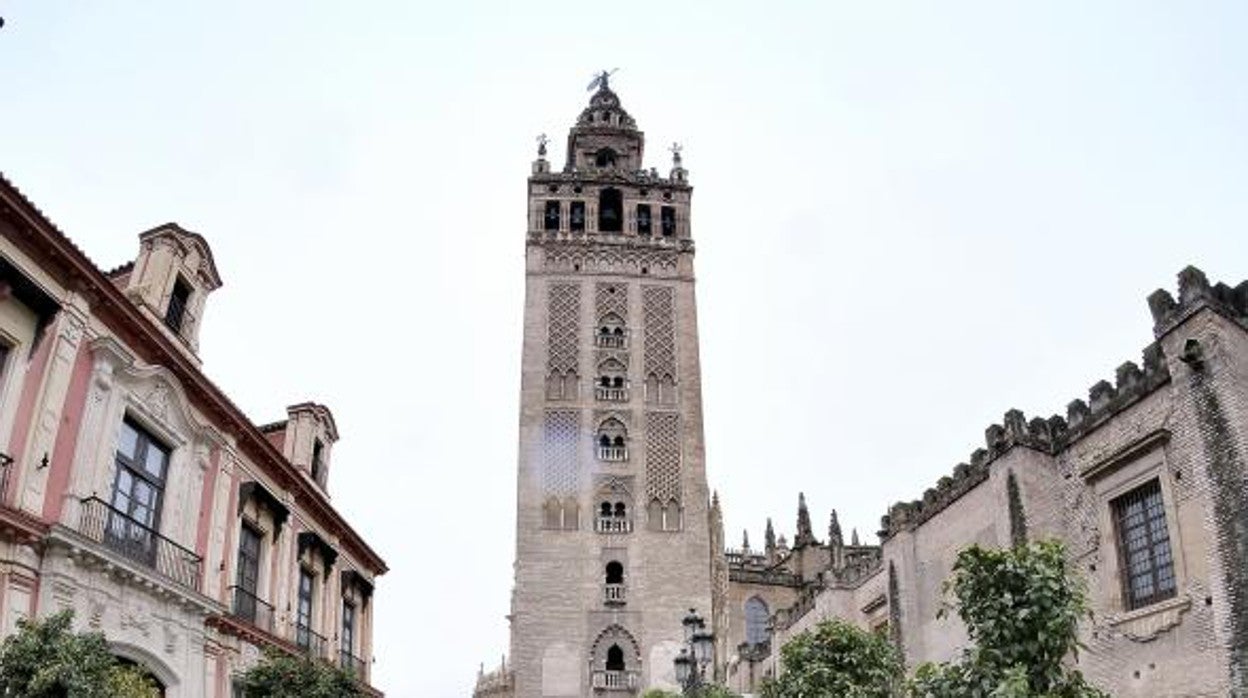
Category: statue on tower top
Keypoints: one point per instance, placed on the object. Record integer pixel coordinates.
(601, 81)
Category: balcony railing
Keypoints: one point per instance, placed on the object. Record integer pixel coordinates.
(615, 680)
(309, 641)
(251, 609)
(611, 341)
(611, 394)
(613, 595)
(352, 664)
(613, 454)
(613, 525)
(138, 542)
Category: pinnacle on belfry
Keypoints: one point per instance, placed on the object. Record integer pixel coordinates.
(805, 534)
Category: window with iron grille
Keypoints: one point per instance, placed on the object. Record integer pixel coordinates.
(248, 574)
(1147, 566)
(138, 491)
(178, 300)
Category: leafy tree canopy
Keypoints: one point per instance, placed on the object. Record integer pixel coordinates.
(46, 659)
(837, 659)
(280, 675)
(1021, 609)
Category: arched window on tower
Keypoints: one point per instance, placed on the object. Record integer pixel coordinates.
(612, 381)
(663, 517)
(610, 211)
(643, 219)
(576, 215)
(552, 216)
(757, 616)
(613, 589)
(667, 221)
(561, 385)
(613, 518)
(612, 441)
(611, 333)
(605, 158)
(615, 659)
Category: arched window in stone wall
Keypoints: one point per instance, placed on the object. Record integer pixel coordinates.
(615, 572)
(615, 658)
(757, 617)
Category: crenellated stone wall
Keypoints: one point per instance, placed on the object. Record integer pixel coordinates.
(1176, 422)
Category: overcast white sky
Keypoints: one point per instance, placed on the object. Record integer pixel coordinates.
(910, 216)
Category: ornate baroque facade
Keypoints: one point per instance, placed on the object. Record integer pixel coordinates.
(612, 540)
(1145, 481)
(132, 490)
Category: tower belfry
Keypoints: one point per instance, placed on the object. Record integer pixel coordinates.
(612, 536)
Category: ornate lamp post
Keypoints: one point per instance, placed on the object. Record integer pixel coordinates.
(697, 653)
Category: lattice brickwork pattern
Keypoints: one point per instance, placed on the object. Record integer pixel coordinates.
(560, 440)
(660, 330)
(563, 310)
(612, 299)
(663, 456)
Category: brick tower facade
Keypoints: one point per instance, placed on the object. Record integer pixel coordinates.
(612, 539)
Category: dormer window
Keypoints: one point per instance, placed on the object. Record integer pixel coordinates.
(175, 313)
(318, 466)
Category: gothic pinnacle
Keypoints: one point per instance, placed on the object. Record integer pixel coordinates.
(835, 537)
(805, 535)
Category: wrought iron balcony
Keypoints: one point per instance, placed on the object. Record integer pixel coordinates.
(613, 454)
(250, 608)
(603, 524)
(611, 340)
(308, 640)
(611, 394)
(137, 542)
(613, 595)
(615, 680)
(353, 665)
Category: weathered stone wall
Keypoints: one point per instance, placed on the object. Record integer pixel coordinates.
(1180, 420)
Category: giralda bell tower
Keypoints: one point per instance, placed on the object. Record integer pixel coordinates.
(612, 539)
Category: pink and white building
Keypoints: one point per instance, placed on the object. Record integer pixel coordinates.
(133, 491)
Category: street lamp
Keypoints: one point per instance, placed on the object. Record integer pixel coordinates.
(698, 651)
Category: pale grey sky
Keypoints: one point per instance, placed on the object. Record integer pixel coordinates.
(910, 216)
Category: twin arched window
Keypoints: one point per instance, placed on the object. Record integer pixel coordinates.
(618, 511)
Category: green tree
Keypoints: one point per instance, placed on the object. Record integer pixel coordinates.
(47, 659)
(1021, 609)
(280, 675)
(837, 659)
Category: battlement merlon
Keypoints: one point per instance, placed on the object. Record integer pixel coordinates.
(1195, 293)
(1131, 384)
